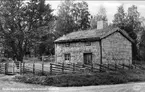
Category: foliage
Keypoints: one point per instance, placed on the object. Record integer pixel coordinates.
(72, 17)
(131, 23)
(141, 45)
(101, 15)
(81, 15)
(119, 17)
(72, 80)
(133, 27)
(46, 47)
(30, 78)
(128, 21)
(64, 22)
(124, 76)
(22, 25)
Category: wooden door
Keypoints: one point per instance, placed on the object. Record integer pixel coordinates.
(88, 58)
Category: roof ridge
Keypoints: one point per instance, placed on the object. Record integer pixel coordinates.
(91, 33)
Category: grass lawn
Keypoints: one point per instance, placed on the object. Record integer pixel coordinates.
(84, 79)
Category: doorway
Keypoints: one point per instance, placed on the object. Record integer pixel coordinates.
(88, 58)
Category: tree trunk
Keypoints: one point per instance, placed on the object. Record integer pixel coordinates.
(20, 54)
(20, 57)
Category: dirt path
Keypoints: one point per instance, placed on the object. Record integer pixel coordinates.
(8, 85)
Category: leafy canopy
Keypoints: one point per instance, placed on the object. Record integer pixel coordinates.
(22, 25)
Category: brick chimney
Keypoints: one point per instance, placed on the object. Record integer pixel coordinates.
(102, 24)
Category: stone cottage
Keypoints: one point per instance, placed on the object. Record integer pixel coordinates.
(102, 45)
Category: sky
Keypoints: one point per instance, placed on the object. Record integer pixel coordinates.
(111, 6)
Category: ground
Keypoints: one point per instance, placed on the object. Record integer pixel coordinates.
(8, 85)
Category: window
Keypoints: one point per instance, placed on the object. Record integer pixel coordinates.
(67, 56)
(88, 43)
(67, 44)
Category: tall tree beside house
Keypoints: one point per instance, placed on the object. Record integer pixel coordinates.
(133, 21)
(64, 21)
(72, 17)
(141, 46)
(120, 17)
(22, 25)
(141, 40)
(101, 15)
(46, 47)
(81, 15)
(130, 23)
(133, 27)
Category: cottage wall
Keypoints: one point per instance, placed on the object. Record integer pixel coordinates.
(116, 49)
(77, 50)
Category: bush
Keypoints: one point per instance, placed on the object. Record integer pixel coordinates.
(84, 79)
(29, 78)
(73, 80)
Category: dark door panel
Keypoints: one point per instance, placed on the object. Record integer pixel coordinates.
(88, 58)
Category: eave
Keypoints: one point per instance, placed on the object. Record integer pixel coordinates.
(79, 40)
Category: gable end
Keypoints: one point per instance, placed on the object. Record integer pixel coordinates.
(128, 38)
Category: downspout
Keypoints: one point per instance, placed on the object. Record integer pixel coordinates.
(100, 44)
(132, 51)
(55, 45)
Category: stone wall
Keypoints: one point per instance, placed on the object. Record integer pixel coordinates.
(116, 49)
(77, 50)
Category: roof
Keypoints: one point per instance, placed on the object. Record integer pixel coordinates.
(92, 35)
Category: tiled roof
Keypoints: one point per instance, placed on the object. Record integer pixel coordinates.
(91, 35)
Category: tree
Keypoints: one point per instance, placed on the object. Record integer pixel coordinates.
(46, 47)
(133, 27)
(81, 15)
(141, 40)
(72, 17)
(22, 24)
(141, 46)
(130, 23)
(133, 23)
(101, 15)
(120, 17)
(64, 20)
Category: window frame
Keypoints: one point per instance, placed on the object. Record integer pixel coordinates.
(88, 44)
(67, 56)
(67, 44)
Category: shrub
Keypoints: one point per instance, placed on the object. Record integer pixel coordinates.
(84, 79)
(29, 78)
